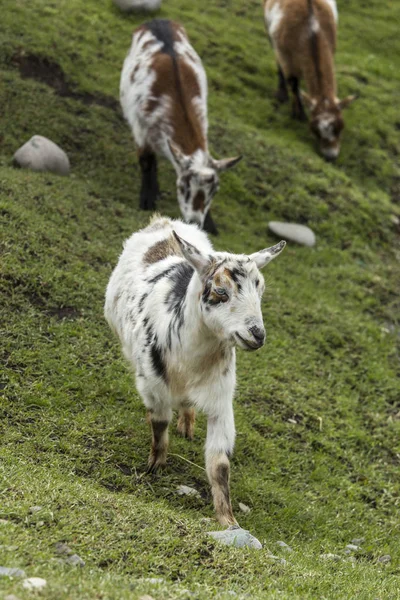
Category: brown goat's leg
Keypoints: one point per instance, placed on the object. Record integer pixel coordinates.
(281, 94)
(149, 188)
(159, 444)
(218, 475)
(186, 421)
(298, 111)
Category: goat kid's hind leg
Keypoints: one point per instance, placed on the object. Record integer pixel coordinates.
(281, 94)
(298, 111)
(219, 445)
(149, 190)
(159, 443)
(186, 420)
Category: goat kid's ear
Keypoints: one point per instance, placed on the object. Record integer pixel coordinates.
(198, 260)
(225, 163)
(179, 158)
(265, 256)
(308, 101)
(346, 101)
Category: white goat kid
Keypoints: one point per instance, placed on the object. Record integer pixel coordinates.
(179, 309)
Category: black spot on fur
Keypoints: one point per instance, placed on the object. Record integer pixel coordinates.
(142, 301)
(162, 30)
(175, 299)
(162, 274)
(157, 360)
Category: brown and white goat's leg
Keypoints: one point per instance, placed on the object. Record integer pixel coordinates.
(159, 443)
(149, 188)
(281, 94)
(298, 111)
(186, 421)
(219, 445)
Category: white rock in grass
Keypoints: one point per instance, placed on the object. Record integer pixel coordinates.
(11, 597)
(35, 509)
(138, 5)
(330, 556)
(34, 583)
(353, 547)
(11, 572)
(236, 536)
(185, 490)
(385, 559)
(284, 546)
(292, 231)
(41, 154)
(244, 508)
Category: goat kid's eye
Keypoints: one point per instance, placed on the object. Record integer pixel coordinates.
(222, 293)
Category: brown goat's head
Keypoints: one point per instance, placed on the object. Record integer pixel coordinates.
(326, 122)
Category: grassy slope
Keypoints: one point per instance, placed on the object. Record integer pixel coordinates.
(74, 437)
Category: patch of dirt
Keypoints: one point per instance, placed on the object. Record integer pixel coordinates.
(46, 71)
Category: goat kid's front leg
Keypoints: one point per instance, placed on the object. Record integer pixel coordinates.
(219, 445)
(159, 444)
(149, 190)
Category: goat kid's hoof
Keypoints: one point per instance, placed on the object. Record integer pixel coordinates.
(236, 536)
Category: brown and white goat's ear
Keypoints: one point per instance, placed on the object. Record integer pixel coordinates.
(308, 101)
(200, 261)
(342, 104)
(265, 256)
(225, 163)
(178, 157)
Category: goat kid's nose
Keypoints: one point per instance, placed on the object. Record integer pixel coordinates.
(258, 334)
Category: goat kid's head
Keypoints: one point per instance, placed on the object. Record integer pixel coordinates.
(326, 122)
(197, 184)
(230, 301)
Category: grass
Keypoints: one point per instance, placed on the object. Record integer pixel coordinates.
(317, 410)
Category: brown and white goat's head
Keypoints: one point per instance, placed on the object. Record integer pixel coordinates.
(197, 183)
(327, 123)
(232, 288)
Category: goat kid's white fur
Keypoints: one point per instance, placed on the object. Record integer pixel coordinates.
(168, 327)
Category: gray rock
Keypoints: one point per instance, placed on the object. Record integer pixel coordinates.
(185, 490)
(41, 154)
(385, 559)
(244, 508)
(34, 583)
(292, 231)
(330, 556)
(62, 548)
(358, 541)
(284, 546)
(75, 560)
(236, 536)
(353, 547)
(138, 5)
(11, 572)
(35, 509)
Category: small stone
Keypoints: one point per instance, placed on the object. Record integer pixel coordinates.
(330, 556)
(75, 560)
(139, 5)
(351, 559)
(35, 509)
(41, 154)
(385, 559)
(358, 541)
(34, 583)
(11, 597)
(62, 548)
(5, 522)
(395, 220)
(146, 597)
(153, 580)
(185, 490)
(236, 536)
(294, 232)
(284, 546)
(353, 547)
(292, 421)
(11, 572)
(244, 508)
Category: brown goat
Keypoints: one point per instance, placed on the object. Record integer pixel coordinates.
(303, 36)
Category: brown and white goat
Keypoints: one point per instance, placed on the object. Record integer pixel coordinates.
(303, 36)
(163, 96)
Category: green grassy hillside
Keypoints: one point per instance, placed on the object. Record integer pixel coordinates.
(317, 409)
